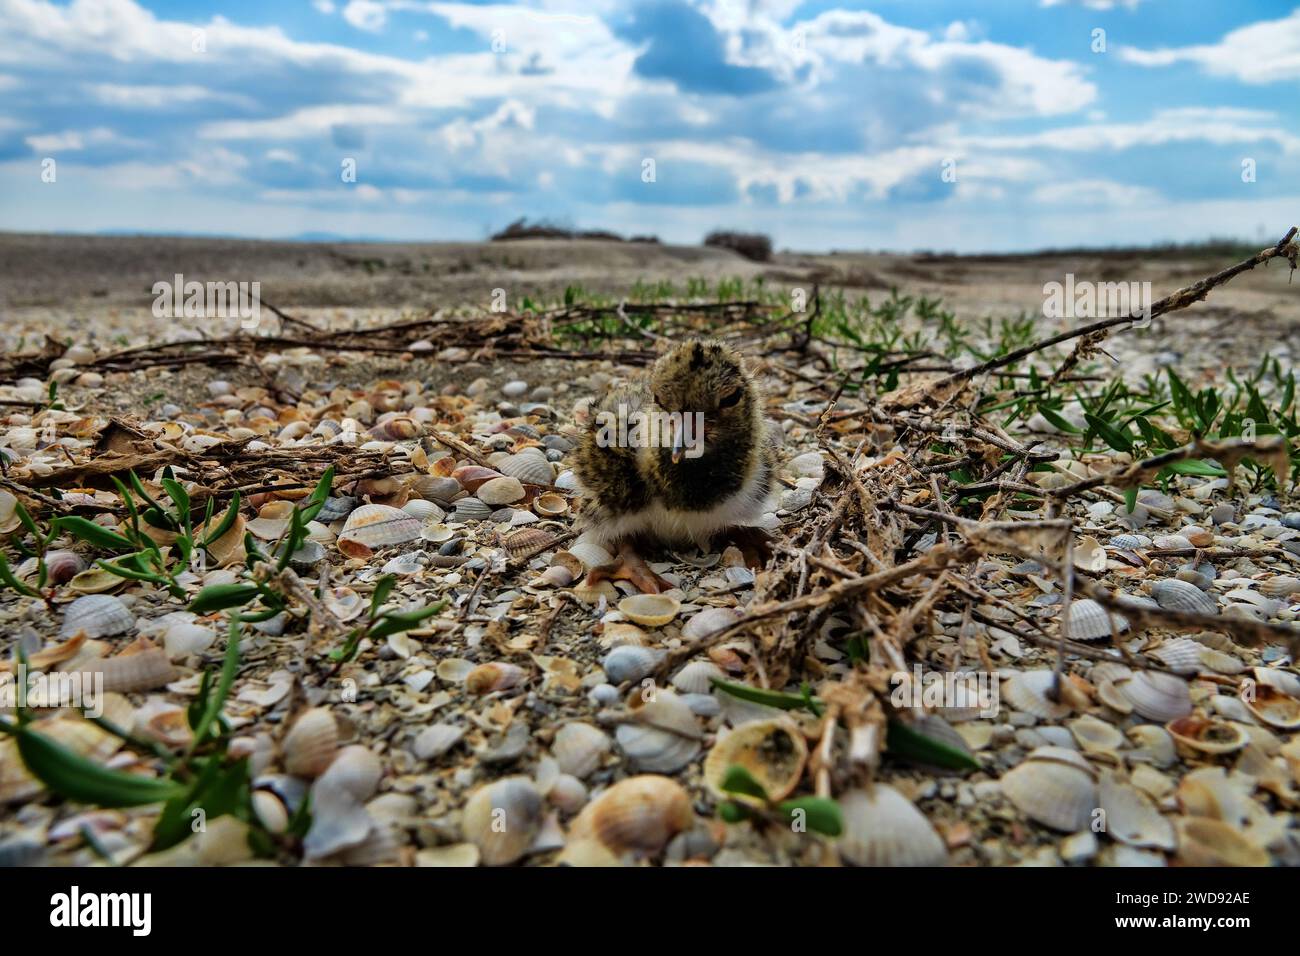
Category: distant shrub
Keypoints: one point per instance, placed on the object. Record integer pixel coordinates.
(751, 245)
(523, 229)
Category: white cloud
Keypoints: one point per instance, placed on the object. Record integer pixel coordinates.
(366, 15)
(324, 6)
(1094, 192)
(157, 97)
(69, 140)
(1263, 52)
(1093, 4)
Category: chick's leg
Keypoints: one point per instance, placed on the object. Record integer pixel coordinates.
(629, 566)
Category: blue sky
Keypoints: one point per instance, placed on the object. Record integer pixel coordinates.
(895, 124)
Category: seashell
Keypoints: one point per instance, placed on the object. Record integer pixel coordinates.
(1131, 817)
(423, 509)
(437, 533)
(502, 819)
(306, 557)
(1129, 542)
(697, 677)
(666, 737)
(1182, 655)
(527, 540)
(551, 505)
(1284, 681)
(472, 477)
(454, 670)
(529, 469)
(1154, 745)
(628, 662)
(1171, 542)
(336, 509)
(96, 581)
(1157, 696)
(556, 576)
(229, 548)
(1175, 595)
(406, 564)
(1282, 586)
(711, 620)
(9, 520)
(773, 751)
(591, 555)
(393, 427)
(61, 566)
(494, 676)
(435, 740)
(1207, 735)
(372, 527)
(96, 615)
(270, 811)
(182, 640)
(272, 520)
(311, 743)
(442, 490)
(470, 509)
(580, 748)
(567, 793)
(339, 821)
(1109, 695)
(1272, 706)
(127, 673)
(1089, 555)
(500, 491)
(1096, 736)
(1054, 787)
(1220, 662)
(594, 594)
(1206, 842)
(456, 854)
(638, 815)
(1028, 691)
(1089, 621)
(649, 610)
(344, 602)
(884, 828)
(356, 770)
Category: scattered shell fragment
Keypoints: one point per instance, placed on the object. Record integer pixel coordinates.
(1131, 816)
(772, 751)
(650, 610)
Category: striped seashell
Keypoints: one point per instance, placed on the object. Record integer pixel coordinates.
(1131, 816)
(697, 677)
(311, 743)
(1207, 735)
(96, 615)
(666, 736)
(472, 477)
(470, 509)
(526, 540)
(591, 555)
(1274, 677)
(423, 509)
(1129, 542)
(711, 620)
(1272, 706)
(1157, 696)
(638, 816)
(580, 748)
(494, 676)
(372, 527)
(1282, 586)
(127, 673)
(272, 520)
(629, 662)
(1089, 621)
(1181, 655)
(1055, 787)
(1028, 691)
(1175, 595)
(502, 819)
(884, 828)
(529, 469)
(441, 489)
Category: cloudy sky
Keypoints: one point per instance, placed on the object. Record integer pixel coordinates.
(894, 124)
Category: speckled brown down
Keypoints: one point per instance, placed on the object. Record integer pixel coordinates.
(641, 494)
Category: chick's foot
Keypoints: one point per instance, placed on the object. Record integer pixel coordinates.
(629, 566)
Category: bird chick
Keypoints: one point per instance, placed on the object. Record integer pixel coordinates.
(695, 469)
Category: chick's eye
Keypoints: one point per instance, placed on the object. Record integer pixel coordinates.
(729, 399)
